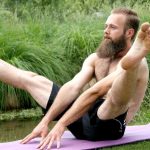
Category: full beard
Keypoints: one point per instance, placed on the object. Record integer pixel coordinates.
(109, 48)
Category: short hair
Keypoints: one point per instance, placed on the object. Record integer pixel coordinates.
(132, 20)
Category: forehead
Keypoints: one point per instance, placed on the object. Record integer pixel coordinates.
(116, 19)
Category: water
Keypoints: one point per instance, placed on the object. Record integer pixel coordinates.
(16, 130)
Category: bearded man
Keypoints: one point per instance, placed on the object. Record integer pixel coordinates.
(102, 111)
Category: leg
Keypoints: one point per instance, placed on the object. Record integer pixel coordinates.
(38, 86)
(123, 87)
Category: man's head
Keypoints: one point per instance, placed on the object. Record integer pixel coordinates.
(120, 29)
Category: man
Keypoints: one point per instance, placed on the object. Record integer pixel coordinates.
(100, 112)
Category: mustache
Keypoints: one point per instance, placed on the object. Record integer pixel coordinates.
(106, 37)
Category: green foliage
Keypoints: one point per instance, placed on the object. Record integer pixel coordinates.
(21, 115)
(31, 46)
(81, 39)
(52, 37)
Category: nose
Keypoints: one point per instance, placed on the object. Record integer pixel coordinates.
(106, 30)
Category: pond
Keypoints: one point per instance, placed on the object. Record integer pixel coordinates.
(16, 130)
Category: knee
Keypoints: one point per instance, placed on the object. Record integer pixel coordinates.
(117, 100)
(111, 109)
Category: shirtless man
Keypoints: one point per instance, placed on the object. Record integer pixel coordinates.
(100, 112)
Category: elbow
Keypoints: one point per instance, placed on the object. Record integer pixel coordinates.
(73, 87)
(99, 91)
(95, 91)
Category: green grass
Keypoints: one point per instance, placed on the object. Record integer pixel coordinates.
(46, 46)
(21, 114)
(31, 45)
(52, 38)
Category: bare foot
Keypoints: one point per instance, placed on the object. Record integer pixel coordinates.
(143, 37)
(139, 49)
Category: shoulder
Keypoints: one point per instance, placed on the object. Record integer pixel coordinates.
(95, 58)
(92, 58)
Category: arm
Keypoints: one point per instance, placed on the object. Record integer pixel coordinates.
(83, 103)
(69, 92)
(65, 96)
(140, 92)
(85, 100)
(79, 107)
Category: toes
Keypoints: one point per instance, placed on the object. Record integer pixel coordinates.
(145, 26)
(148, 32)
(145, 31)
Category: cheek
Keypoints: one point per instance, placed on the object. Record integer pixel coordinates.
(115, 38)
(117, 35)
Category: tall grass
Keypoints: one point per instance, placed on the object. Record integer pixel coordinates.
(31, 46)
(52, 38)
(82, 37)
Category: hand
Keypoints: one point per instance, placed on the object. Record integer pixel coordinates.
(41, 130)
(54, 135)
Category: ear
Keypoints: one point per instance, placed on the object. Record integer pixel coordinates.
(129, 33)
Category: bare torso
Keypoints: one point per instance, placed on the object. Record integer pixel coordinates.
(104, 67)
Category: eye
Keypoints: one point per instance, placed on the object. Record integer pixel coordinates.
(113, 26)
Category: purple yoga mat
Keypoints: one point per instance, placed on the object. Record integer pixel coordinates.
(132, 134)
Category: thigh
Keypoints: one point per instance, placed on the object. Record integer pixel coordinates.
(38, 86)
(111, 109)
(98, 129)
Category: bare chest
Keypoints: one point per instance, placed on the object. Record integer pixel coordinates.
(102, 69)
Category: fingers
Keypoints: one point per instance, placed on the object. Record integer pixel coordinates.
(58, 143)
(48, 141)
(28, 138)
(51, 142)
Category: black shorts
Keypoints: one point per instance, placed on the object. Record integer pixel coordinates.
(90, 127)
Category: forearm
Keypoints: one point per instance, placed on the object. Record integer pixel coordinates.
(81, 106)
(66, 96)
(84, 101)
